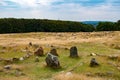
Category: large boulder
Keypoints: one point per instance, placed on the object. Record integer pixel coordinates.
(39, 52)
(93, 63)
(54, 52)
(52, 61)
(73, 51)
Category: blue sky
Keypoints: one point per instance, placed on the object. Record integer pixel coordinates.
(75, 10)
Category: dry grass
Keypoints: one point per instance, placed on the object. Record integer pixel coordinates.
(74, 76)
(57, 38)
(14, 78)
(95, 42)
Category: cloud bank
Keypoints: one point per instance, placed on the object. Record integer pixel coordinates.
(75, 10)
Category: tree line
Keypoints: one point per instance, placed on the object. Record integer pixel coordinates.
(13, 25)
(108, 26)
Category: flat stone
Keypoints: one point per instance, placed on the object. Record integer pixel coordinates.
(8, 67)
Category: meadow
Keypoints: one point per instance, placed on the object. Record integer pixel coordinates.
(103, 44)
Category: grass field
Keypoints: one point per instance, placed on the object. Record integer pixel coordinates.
(101, 43)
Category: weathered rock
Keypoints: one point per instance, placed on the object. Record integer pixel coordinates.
(21, 58)
(73, 52)
(113, 57)
(93, 63)
(36, 59)
(54, 52)
(15, 59)
(39, 52)
(52, 61)
(92, 54)
(8, 67)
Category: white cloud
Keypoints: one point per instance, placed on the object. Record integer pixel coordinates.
(65, 11)
(2, 3)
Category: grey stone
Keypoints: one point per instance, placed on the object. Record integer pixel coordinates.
(93, 63)
(52, 61)
(8, 67)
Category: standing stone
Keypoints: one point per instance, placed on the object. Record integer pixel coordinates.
(73, 52)
(52, 61)
(54, 52)
(93, 63)
(39, 52)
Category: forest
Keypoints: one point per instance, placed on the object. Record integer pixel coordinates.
(14, 25)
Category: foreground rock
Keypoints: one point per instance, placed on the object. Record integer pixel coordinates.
(54, 52)
(52, 61)
(93, 63)
(39, 52)
(73, 52)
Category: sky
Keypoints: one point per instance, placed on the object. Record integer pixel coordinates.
(72, 10)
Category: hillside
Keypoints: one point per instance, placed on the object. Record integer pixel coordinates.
(94, 23)
(105, 46)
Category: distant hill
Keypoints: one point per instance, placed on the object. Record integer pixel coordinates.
(94, 23)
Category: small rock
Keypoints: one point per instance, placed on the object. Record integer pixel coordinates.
(92, 54)
(93, 63)
(113, 57)
(36, 59)
(21, 58)
(8, 67)
(30, 43)
(15, 59)
(68, 74)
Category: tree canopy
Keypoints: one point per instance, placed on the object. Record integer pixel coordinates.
(13, 25)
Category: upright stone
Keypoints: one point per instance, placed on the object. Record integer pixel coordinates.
(52, 61)
(73, 52)
(54, 52)
(39, 52)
